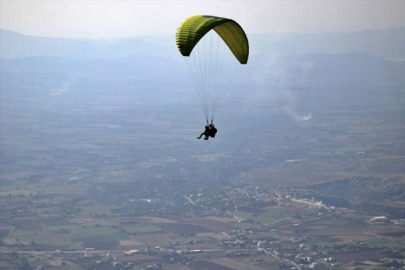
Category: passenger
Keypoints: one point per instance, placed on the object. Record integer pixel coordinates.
(206, 133)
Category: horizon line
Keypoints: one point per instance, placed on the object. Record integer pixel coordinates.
(252, 34)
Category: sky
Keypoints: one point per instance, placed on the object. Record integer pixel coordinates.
(113, 19)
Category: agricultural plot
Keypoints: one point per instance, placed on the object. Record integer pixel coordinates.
(71, 236)
(140, 228)
(187, 228)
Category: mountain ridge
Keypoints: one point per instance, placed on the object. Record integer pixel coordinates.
(386, 43)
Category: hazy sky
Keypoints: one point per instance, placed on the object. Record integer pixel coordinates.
(104, 19)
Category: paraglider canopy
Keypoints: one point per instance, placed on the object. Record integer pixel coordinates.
(195, 27)
(214, 49)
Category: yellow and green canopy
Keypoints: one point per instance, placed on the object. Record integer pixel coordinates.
(194, 28)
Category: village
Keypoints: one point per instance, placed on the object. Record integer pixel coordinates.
(256, 226)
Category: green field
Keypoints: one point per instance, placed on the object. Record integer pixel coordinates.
(141, 228)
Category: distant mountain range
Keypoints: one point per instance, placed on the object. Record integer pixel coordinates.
(279, 60)
(386, 44)
(15, 45)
